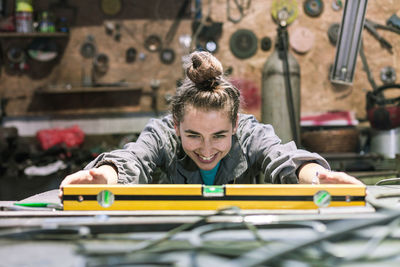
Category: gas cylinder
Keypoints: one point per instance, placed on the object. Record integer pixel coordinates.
(276, 103)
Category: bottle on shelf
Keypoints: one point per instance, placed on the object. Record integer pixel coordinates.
(24, 16)
(46, 24)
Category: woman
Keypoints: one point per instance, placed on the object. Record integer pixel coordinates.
(207, 141)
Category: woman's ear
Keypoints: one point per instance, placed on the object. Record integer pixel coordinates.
(236, 125)
(176, 127)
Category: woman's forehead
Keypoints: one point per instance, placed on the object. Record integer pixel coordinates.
(200, 112)
(202, 120)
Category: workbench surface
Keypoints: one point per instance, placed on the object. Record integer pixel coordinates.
(347, 236)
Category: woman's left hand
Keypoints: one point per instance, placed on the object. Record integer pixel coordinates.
(308, 172)
(332, 177)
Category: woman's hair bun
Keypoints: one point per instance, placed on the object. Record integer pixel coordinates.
(203, 68)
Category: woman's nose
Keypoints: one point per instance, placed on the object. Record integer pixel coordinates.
(206, 149)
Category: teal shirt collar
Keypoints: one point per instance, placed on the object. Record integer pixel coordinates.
(208, 176)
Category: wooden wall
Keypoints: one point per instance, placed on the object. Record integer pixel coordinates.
(317, 92)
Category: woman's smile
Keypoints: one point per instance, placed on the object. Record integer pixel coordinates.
(207, 160)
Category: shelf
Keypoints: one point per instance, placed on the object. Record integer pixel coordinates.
(85, 99)
(77, 89)
(33, 34)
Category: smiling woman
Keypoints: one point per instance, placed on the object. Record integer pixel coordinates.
(206, 136)
(207, 141)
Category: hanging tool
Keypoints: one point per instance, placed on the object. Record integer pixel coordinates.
(16, 60)
(313, 8)
(101, 64)
(337, 5)
(366, 67)
(167, 55)
(208, 34)
(240, 7)
(290, 11)
(373, 26)
(153, 43)
(266, 43)
(172, 30)
(243, 43)
(333, 33)
(130, 55)
(394, 21)
(88, 48)
(302, 40)
(205, 32)
(388, 75)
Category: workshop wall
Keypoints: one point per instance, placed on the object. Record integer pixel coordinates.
(146, 71)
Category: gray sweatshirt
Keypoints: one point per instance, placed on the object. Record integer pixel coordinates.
(255, 150)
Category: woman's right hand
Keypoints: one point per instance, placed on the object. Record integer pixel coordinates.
(104, 174)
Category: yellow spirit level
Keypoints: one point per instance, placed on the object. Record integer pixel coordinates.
(201, 197)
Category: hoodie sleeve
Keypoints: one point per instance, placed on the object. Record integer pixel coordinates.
(278, 162)
(136, 161)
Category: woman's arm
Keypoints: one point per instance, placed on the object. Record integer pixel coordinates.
(308, 173)
(279, 162)
(134, 163)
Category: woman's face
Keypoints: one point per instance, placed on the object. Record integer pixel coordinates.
(206, 136)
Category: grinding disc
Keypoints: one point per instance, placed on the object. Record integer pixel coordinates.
(243, 43)
(313, 8)
(153, 43)
(266, 43)
(301, 40)
(167, 56)
(333, 33)
(15, 54)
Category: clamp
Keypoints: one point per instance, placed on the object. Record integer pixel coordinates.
(372, 28)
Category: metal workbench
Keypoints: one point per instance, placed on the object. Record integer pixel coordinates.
(351, 236)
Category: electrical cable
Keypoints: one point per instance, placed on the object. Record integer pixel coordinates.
(196, 240)
(147, 244)
(368, 248)
(64, 233)
(388, 180)
(372, 199)
(262, 254)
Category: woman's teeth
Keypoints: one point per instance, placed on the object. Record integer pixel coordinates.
(205, 158)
